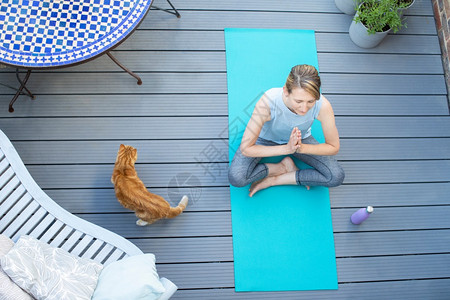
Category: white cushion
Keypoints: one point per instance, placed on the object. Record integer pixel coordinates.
(8, 289)
(50, 273)
(131, 278)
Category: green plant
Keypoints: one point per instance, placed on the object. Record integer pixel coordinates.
(380, 15)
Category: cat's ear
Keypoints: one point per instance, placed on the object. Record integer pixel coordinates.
(122, 146)
(134, 152)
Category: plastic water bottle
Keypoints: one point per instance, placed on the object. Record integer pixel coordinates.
(361, 214)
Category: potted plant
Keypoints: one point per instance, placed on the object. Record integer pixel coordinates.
(347, 6)
(405, 5)
(374, 19)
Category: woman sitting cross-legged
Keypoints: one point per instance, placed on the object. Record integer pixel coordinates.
(281, 125)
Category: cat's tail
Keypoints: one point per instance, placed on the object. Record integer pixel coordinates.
(175, 211)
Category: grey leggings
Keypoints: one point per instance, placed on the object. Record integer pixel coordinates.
(326, 170)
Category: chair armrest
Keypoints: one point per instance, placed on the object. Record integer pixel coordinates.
(170, 287)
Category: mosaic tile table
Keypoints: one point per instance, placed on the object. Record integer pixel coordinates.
(43, 34)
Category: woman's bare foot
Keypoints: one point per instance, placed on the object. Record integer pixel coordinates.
(285, 166)
(261, 184)
(285, 175)
(288, 164)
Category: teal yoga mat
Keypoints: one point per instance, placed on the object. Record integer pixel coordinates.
(282, 236)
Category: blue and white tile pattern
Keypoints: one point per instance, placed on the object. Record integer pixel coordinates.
(43, 33)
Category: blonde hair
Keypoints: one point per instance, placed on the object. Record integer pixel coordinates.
(305, 77)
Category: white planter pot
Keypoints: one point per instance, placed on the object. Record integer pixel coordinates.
(403, 10)
(360, 36)
(347, 6)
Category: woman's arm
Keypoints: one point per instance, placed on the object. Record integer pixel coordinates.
(331, 145)
(261, 115)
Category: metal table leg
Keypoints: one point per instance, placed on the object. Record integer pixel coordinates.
(19, 90)
(139, 81)
(175, 12)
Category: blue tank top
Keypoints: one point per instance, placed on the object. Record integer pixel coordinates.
(283, 120)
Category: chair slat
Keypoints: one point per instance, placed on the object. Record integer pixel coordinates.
(116, 255)
(92, 250)
(12, 199)
(82, 245)
(6, 176)
(4, 164)
(104, 253)
(30, 224)
(52, 231)
(15, 211)
(21, 219)
(62, 235)
(75, 237)
(8, 188)
(42, 226)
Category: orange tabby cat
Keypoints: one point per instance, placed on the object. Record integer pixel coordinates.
(132, 193)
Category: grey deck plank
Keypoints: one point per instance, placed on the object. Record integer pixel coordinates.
(386, 84)
(341, 42)
(393, 268)
(159, 175)
(379, 63)
(393, 127)
(100, 152)
(394, 149)
(162, 40)
(217, 20)
(389, 105)
(394, 218)
(385, 195)
(326, 42)
(188, 224)
(181, 61)
(161, 61)
(175, 40)
(196, 249)
(155, 151)
(122, 83)
(391, 243)
(144, 105)
(116, 128)
(217, 198)
(362, 244)
(349, 270)
(206, 275)
(211, 61)
(397, 171)
(204, 224)
(409, 289)
(153, 175)
(210, 105)
(104, 200)
(204, 127)
(63, 83)
(419, 7)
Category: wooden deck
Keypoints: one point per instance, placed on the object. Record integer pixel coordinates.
(392, 114)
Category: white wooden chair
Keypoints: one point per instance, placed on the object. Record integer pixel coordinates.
(25, 209)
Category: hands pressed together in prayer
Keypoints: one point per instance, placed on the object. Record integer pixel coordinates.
(295, 141)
